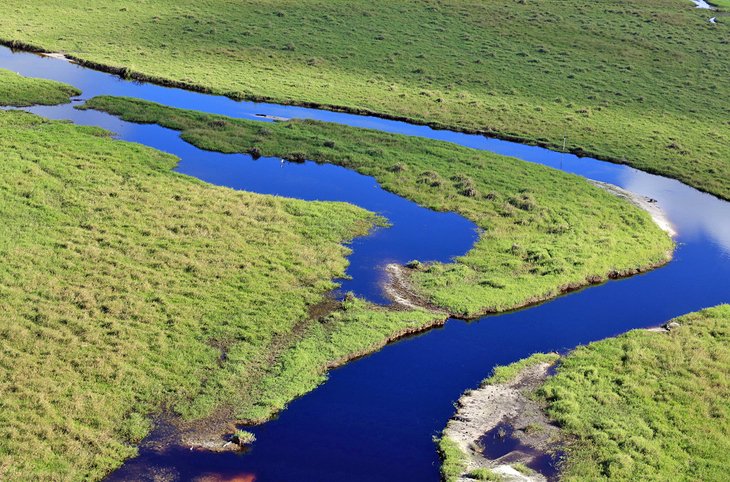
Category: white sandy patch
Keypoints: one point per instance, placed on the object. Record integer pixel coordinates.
(481, 410)
(647, 204)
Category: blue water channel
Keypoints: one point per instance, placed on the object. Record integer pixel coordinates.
(374, 418)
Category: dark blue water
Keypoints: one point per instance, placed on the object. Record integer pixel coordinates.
(374, 419)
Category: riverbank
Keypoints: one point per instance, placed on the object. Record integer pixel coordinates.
(19, 91)
(532, 247)
(225, 353)
(647, 204)
(460, 67)
(648, 404)
(499, 410)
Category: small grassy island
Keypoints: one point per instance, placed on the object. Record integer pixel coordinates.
(646, 405)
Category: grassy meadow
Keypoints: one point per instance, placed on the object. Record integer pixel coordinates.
(647, 406)
(635, 82)
(534, 245)
(127, 289)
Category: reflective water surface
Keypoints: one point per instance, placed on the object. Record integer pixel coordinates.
(375, 417)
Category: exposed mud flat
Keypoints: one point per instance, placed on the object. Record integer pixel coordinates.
(399, 289)
(500, 410)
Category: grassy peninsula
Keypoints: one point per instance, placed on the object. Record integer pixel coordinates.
(127, 289)
(535, 245)
(19, 91)
(635, 82)
(645, 405)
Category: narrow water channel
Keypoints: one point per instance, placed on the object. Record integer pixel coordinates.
(374, 419)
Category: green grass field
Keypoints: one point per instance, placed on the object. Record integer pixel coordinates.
(641, 406)
(636, 82)
(534, 244)
(648, 406)
(126, 288)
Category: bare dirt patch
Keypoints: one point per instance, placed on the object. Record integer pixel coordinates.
(399, 289)
(647, 204)
(494, 412)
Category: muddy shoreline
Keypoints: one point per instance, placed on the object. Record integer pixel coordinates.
(502, 407)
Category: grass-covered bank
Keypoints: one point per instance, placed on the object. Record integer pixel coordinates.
(127, 289)
(535, 244)
(640, 82)
(645, 405)
(19, 91)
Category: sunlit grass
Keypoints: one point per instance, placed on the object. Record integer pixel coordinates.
(642, 82)
(21, 91)
(544, 230)
(126, 288)
(648, 406)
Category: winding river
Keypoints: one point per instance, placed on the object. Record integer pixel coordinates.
(375, 417)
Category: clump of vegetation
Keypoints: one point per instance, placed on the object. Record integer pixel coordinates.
(483, 473)
(431, 179)
(243, 438)
(531, 246)
(453, 460)
(522, 468)
(414, 264)
(254, 152)
(507, 373)
(399, 167)
(298, 157)
(218, 123)
(465, 185)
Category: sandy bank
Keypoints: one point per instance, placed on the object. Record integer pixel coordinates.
(399, 289)
(647, 204)
(490, 406)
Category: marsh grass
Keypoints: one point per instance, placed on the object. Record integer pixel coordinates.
(534, 244)
(453, 460)
(507, 373)
(484, 473)
(21, 91)
(639, 406)
(621, 80)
